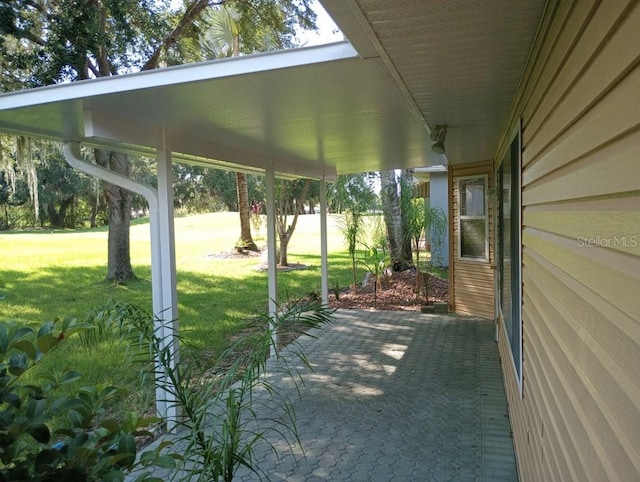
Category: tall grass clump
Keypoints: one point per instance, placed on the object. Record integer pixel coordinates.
(351, 227)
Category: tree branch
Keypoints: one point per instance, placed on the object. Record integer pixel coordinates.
(190, 14)
(35, 5)
(20, 33)
(298, 204)
(102, 60)
(93, 67)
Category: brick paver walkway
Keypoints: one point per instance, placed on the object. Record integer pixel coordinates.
(397, 396)
(401, 396)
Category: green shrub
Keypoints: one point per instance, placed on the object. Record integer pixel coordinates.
(48, 433)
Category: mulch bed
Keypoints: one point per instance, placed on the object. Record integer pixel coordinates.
(263, 266)
(396, 294)
(235, 254)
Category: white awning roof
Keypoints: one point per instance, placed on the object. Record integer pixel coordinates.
(310, 111)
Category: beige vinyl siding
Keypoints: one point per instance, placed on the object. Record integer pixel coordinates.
(579, 414)
(472, 280)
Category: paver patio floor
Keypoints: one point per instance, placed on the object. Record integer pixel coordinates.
(397, 396)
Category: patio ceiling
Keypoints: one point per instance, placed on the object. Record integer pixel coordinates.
(457, 62)
(345, 107)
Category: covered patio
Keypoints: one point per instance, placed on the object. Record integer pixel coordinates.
(374, 102)
(536, 104)
(396, 395)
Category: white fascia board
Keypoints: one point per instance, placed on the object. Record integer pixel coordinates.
(349, 18)
(181, 74)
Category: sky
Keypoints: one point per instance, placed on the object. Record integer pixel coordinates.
(327, 30)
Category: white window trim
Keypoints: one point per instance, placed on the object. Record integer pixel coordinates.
(485, 259)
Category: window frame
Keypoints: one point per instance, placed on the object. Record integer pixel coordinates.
(461, 217)
(515, 250)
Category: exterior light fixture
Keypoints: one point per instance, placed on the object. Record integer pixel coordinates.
(438, 135)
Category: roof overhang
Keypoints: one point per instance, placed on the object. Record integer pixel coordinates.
(456, 62)
(424, 173)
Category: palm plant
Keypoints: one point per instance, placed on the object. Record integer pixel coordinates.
(351, 225)
(375, 258)
(222, 419)
(435, 225)
(414, 212)
(221, 37)
(430, 221)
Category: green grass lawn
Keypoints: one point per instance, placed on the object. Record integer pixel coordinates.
(46, 275)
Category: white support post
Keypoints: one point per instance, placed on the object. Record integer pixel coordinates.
(168, 313)
(272, 261)
(324, 265)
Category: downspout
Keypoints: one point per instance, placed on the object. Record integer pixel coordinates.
(164, 400)
(74, 159)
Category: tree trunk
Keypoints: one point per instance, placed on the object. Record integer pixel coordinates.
(285, 232)
(282, 249)
(54, 219)
(57, 217)
(119, 204)
(406, 197)
(94, 213)
(245, 241)
(391, 211)
(119, 200)
(64, 206)
(96, 203)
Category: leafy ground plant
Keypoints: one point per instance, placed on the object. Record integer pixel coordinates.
(48, 433)
(374, 259)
